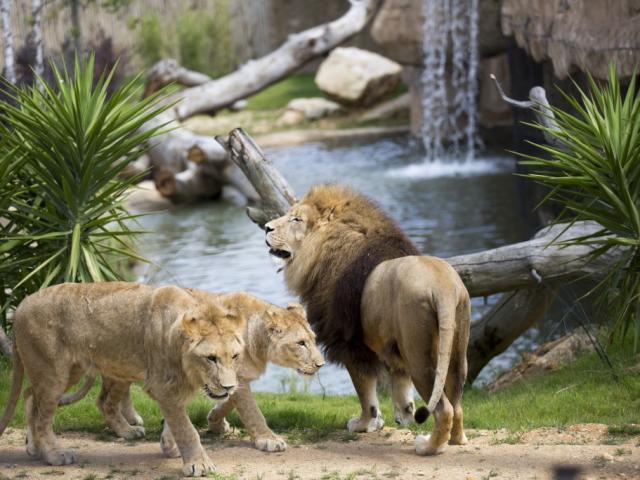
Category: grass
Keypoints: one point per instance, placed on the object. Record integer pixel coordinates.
(278, 95)
(597, 394)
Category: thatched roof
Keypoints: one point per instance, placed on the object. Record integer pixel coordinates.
(587, 34)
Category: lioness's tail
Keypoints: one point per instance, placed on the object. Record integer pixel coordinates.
(446, 330)
(16, 389)
(72, 397)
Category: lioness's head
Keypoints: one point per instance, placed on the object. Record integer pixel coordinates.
(213, 349)
(292, 343)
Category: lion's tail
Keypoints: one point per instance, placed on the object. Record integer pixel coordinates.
(16, 389)
(446, 331)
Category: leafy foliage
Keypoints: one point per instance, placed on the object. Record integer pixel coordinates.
(63, 147)
(594, 172)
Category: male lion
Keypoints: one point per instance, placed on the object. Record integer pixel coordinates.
(372, 299)
(273, 334)
(175, 342)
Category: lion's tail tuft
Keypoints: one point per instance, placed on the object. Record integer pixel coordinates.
(421, 415)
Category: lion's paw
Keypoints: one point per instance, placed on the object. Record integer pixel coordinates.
(368, 425)
(404, 415)
(219, 427)
(198, 468)
(60, 457)
(133, 418)
(133, 433)
(424, 446)
(272, 443)
(461, 440)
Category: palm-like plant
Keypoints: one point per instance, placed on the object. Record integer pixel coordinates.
(63, 147)
(593, 171)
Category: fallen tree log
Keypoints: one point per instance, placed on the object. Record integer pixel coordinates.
(177, 146)
(528, 270)
(6, 347)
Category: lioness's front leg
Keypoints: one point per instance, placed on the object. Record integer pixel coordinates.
(196, 462)
(263, 437)
(217, 417)
(370, 419)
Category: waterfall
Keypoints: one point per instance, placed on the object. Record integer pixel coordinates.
(449, 81)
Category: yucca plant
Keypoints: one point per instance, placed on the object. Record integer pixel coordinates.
(593, 171)
(63, 148)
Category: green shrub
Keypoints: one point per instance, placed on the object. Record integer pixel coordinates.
(151, 38)
(594, 174)
(61, 206)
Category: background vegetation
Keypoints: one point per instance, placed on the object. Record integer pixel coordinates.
(593, 171)
(63, 148)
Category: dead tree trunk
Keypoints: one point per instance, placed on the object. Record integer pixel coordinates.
(178, 147)
(7, 37)
(528, 270)
(36, 29)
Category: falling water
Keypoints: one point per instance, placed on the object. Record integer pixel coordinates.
(449, 81)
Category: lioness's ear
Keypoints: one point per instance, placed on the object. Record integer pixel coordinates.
(189, 324)
(295, 307)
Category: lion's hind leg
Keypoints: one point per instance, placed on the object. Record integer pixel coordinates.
(402, 395)
(423, 374)
(109, 402)
(458, 373)
(41, 401)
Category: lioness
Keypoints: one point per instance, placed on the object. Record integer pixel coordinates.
(372, 299)
(174, 342)
(273, 334)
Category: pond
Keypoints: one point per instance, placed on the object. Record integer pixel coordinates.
(446, 209)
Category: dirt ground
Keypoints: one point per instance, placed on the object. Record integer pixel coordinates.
(383, 455)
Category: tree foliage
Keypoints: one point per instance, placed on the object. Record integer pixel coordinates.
(62, 150)
(594, 173)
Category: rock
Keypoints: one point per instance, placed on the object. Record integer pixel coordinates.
(582, 33)
(290, 117)
(314, 108)
(388, 109)
(357, 77)
(238, 105)
(398, 30)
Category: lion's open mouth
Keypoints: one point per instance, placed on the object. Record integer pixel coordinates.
(283, 254)
(212, 395)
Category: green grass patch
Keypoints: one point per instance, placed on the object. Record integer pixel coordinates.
(584, 392)
(276, 96)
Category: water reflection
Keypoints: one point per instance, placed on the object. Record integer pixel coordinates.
(215, 247)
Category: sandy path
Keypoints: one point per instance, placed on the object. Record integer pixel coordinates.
(383, 455)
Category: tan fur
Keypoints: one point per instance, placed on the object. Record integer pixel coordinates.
(414, 310)
(174, 342)
(273, 334)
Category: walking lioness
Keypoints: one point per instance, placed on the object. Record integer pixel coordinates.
(174, 342)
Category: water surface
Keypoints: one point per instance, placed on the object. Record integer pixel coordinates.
(446, 210)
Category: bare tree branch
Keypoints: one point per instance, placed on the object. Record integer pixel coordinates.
(540, 105)
(7, 37)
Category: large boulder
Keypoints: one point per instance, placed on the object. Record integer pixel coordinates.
(398, 29)
(357, 77)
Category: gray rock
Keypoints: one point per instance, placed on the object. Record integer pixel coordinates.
(357, 77)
